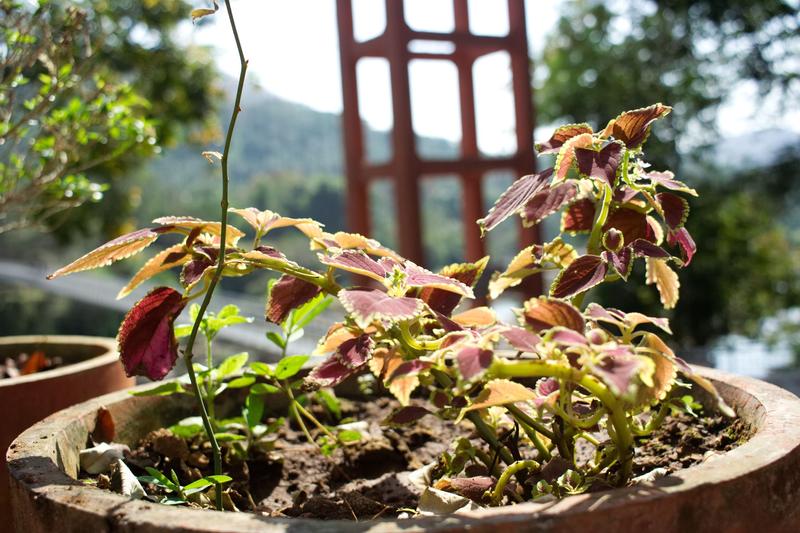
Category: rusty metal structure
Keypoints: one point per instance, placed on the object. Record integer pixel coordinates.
(406, 167)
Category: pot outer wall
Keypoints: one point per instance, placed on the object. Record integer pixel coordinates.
(754, 487)
(91, 369)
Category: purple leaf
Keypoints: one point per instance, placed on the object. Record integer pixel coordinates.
(601, 164)
(147, 344)
(644, 248)
(417, 276)
(287, 294)
(514, 198)
(568, 337)
(368, 305)
(473, 360)
(545, 203)
(547, 386)
(676, 209)
(686, 243)
(562, 135)
(448, 324)
(329, 373)
(409, 368)
(668, 181)
(630, 222)
(618, 371)
(357, 262)
(445, 301)
(582, 274)
(521, 339)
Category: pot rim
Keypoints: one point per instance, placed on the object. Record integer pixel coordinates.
(773, 412)
(109, 355)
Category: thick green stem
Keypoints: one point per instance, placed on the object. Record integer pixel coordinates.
(188, 354)
(497, 494)
(620, 430)
(544, 453)
(487, 434)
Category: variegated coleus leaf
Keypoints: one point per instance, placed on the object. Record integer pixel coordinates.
(114, 250)
(531, 260)
(674, 209)
(623, 320)
(600, 164)
(500, 392)
(667, 180)
(166, 259)
(473, 361)
(665, 370)
(358, 262)
(659, 273)
(619, 369)
(387, 365)
(269, 258)
(444, 301)
(684, 240)
(232, 236)
(632, 223)
(581, 275)
(202, 263)
(350, 357)
(477, 317)
(546, 202)
(565, 160)
(147, 344)
(514, 198)
(368, 305)
(543, 313)
(520, 338)
(621, 261)
(578, 217)
(265, 221)
(287, 294)
(416, 276)
(321, 240)
(633, 127)
(562, 135)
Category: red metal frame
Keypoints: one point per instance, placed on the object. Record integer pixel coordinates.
(406, 168)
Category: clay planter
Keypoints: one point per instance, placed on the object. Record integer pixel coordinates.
(91, 368)
(754, 487)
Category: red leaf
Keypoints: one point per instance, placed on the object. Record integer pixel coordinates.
(675, 208)
(287, 294)
(348, 359)
(579, 216)
(633, 127)
(643, 248)
(601, 164)
(685, 241)
(621, 261)
(367, 305)
(562, 135)
(582, 274)
(516, 196)
(104, 428)
(354, 353)
(409, 368)
(147, 344)
(473, 360)
(544, 313)
(546, 202)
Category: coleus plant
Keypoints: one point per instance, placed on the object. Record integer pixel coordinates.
(564, 373)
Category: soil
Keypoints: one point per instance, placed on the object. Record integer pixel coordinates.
(25, 363)
(370, 479)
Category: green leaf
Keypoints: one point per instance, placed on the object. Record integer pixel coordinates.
(219, 478)
(161, 479)
(186, 431)
(232, 364)
(289, 366)
(228, 437)
(307, 312)
(264, 388)
(349, 435)
(165, 389)
(330, 402)
(276, 339)
(253, 409)
(262, 369)
(241, 382)
(183, 330)
(197, 486)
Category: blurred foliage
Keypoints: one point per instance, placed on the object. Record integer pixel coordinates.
(605, 56)
(95, 83)
(60, 115)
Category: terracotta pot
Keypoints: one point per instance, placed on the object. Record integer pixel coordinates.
(755, 487)
(91, 368)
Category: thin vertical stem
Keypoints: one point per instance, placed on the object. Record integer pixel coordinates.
(188, 353)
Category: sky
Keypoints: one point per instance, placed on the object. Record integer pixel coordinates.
(293, 51)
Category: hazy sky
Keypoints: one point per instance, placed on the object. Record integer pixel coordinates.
(293, 52)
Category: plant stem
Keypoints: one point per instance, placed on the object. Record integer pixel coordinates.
(497, 494)
(188, 354)
(488, 435)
